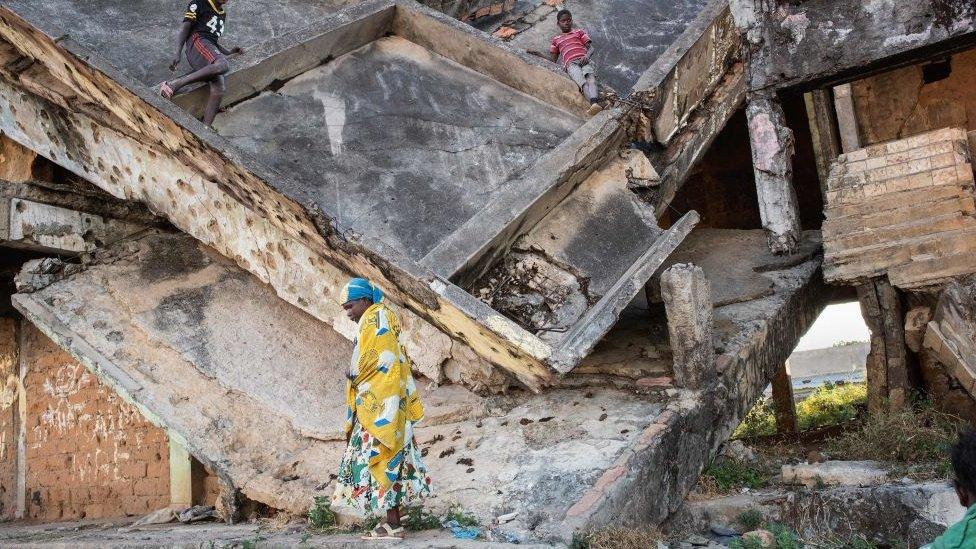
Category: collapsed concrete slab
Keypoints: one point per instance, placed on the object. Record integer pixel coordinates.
(118, 134)
(252, 387)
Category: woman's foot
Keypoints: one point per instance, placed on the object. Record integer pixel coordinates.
(594, 108)
(385, 531)
(165, 90)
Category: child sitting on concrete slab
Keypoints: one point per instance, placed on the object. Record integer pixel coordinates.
(573, 48)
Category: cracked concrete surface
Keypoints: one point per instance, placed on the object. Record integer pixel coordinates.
(139, 36)
(402, 144)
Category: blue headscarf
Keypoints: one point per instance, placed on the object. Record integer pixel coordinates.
(358, 288)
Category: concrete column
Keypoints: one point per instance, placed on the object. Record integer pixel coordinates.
(772, 162)
(887, 363)
(850, 139)
(823, 132)
(180, 475)
(783, 400)
(688, 304)
(21, 424)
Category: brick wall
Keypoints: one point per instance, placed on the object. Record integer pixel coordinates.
(900, 103)
(89, 453)
(8, 414)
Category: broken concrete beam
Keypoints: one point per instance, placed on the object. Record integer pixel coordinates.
(44, 228)
(80, 196)
(772, 160)
(127, 140)
(951, 335)
(821, 42)
(688, 303)
(835, 473)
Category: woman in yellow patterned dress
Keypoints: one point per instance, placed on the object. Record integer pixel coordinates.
(382, 468)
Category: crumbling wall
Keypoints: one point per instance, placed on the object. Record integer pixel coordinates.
(89, 453)
(917, 99)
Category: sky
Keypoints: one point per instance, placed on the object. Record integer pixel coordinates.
(842, 322)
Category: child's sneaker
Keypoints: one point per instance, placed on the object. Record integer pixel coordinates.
(594, 108)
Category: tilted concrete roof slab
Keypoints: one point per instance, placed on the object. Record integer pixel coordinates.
(252, 386)
(124, 138)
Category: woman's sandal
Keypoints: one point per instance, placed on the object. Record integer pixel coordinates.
(385, 531)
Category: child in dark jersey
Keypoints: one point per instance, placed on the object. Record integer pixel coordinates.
(574, 49)
(203, 24)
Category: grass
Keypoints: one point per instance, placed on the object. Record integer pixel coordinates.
(727, 476)
(831, 404)
(618, 538)
(918, 434)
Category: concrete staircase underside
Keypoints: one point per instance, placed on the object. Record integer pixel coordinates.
(305, 199)
(253, 387)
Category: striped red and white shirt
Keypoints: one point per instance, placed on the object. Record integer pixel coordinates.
(570, 45)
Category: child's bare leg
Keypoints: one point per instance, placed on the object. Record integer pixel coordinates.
(218, 68)
(590, 89)
(217, 88)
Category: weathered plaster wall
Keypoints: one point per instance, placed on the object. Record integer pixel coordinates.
(89, 453)
(899, 103)
(8, 415)
(816, 42)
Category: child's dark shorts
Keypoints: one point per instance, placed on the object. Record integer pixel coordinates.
(201, 52)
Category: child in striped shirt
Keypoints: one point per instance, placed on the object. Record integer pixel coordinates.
(573, 48)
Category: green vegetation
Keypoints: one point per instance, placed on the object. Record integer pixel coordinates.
(617, 538)
(725, 476)
(832, 404)
(751, 519)
(462, 517)
(919, 436)
(321, 515)
(416, 518)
